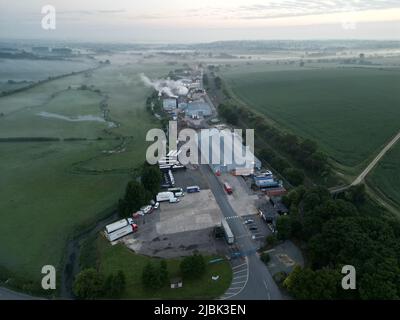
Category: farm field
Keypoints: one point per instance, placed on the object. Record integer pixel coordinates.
(386, 176)
(52, 188)
(113, 259)
(34, 70)
(350, 112)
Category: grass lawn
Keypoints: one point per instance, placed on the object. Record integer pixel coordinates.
(114, 258)
(43, 200)
(350, 112)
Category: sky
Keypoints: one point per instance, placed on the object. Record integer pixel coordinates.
(188, 21)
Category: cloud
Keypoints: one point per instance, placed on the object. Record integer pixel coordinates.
(294, 8)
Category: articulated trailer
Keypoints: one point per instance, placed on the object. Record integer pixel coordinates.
(122, 232)
(120, 228)
(118, 225)
(230, 238)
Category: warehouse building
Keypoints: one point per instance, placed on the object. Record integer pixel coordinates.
(198, 109)
(224, 152)
(170, 104)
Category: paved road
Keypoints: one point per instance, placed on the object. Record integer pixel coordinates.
(7, 294)
(259, 284)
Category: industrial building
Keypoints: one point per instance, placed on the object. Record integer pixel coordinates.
(224, 152)
(198, 109)
(170, 104)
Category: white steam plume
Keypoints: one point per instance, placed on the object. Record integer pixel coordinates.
(169, 87)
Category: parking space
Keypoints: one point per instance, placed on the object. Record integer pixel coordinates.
(240, 276)
(243, 200)
(177, 229)
(257, 228)
(190, 177)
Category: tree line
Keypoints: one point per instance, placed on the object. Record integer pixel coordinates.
(347, 230)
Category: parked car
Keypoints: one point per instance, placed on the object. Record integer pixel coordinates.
(253, 228)
(146, 209)
(179, 194)
(174, 200)
(156, 205)
(249, 221)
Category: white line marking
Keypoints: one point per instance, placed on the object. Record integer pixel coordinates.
(244, 286)
(240, 265)
(239, 271)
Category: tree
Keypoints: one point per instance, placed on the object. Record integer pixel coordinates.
(306, 284)
(150, 277)
(218, 83)
(151, 179)
(135, 197)
(164, 275)
(283, 226)
(88, 284)
(294, 176)
(193, 266)
(114, 285)
(265, 257)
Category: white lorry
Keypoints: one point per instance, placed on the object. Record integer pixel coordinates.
(120, 228)
(115, 235)
(118, 225)
(165, 196)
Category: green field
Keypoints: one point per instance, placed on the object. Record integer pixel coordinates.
(113, 259)
(49, 189)
(386, 176)
(350, 112)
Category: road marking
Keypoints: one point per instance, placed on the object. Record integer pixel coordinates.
(229, 296)
(238, 282)
(240, 265)
(237, 277)
(266, 287)
(239, 271)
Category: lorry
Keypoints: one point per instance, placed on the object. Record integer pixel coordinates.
(229, 237)
(228, 188)
(192, 189)
(165, 196)
(118, 225)
(119, 233)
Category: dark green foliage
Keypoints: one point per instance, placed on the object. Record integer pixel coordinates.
(88, 284)
(164, 276)
(305, 284)
(229, 113)
(193, 266)
(294, 176)
(155, 276)
(135, 197)
(114, 285)
(151, 277)
(218, 83)
(338, 233)
(265, 257)
(151, 179)
(284, 227)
